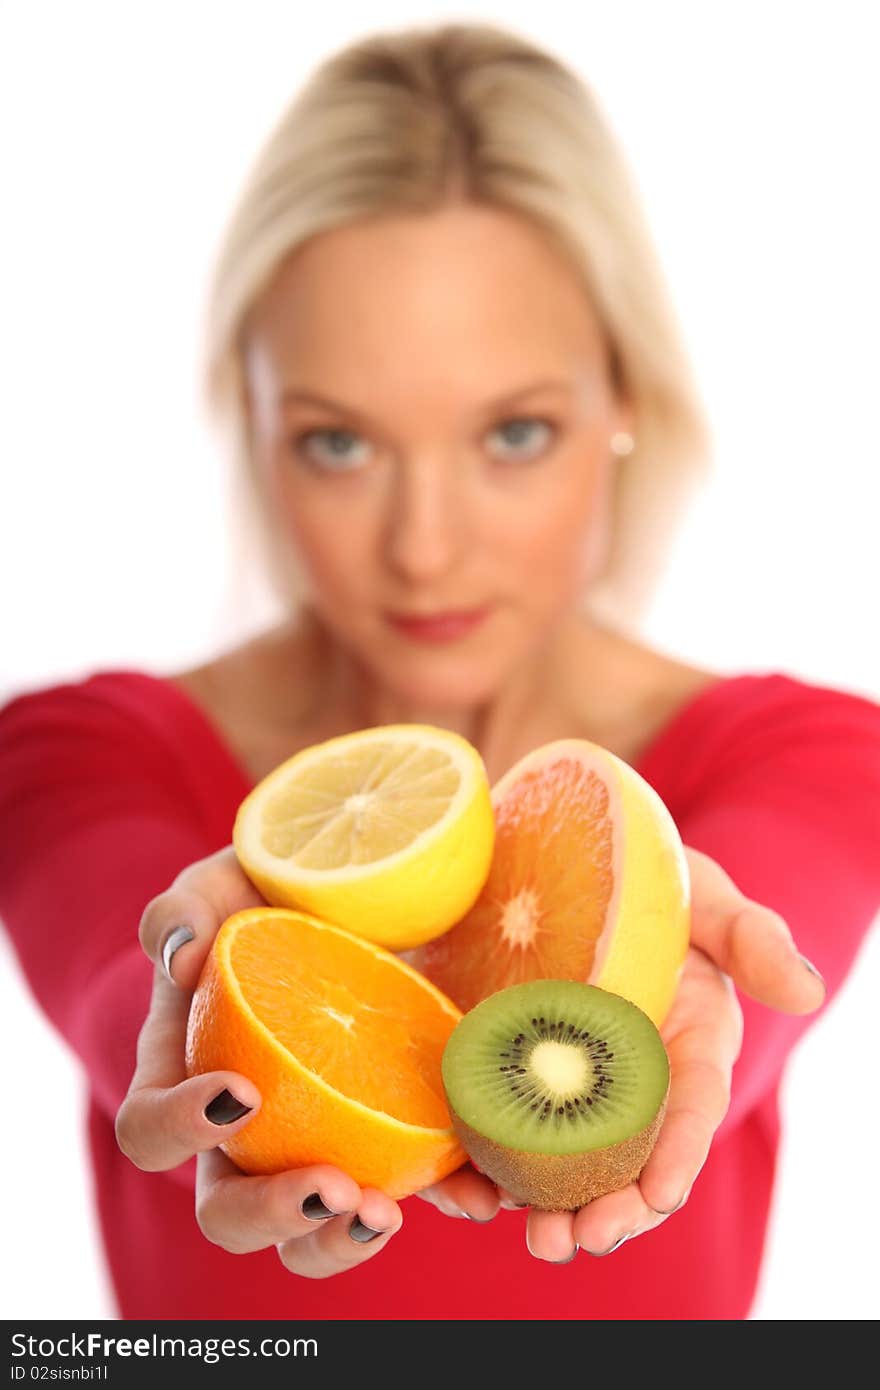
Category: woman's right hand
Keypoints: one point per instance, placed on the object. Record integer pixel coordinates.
(318, 1218)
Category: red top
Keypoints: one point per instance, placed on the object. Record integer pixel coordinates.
(111, 785)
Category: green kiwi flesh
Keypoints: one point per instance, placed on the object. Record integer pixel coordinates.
(557, 1090)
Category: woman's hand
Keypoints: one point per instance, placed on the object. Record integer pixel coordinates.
(702, 1034)
(318, 1218)
(733, 941)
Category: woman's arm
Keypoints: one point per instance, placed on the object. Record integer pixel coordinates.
(93, 824)
(795, 823)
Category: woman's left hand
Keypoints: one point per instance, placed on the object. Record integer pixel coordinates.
(733, 941)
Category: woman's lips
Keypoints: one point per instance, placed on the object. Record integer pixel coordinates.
(438, 627)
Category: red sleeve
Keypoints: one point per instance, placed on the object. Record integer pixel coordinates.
(94, 822)
(792, 813)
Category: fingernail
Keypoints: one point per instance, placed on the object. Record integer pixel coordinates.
(568, 1259)
(224, 1108)
(480, 1220)
(361, 1233)
(661, 1211)
(808, 965)
(315, 1210)
(179, 937)
(616, 1246)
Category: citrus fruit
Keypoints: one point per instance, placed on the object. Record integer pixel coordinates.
(387, 832)
(588, 882)
(343, 1041)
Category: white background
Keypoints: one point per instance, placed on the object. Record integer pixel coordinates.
(126, 129)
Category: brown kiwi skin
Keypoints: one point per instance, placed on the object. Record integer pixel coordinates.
(561, 1182)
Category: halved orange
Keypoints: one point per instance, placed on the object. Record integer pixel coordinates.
(589, 881)
(343, 1041)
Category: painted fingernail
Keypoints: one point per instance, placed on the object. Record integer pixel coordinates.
(808, 965)
(224, 1108)
(179, 937)
(361, 1233)
(568, 1259)
(313, 1209)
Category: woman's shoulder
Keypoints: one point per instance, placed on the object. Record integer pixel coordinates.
(771, 705)
(108, 701)
(116, 720)
(99, 698)
(739, 727)
(89, 748)
(649, 700)
(217, 719)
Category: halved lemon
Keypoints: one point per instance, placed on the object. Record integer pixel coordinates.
(387, 832)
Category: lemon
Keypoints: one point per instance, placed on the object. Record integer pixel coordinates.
(387, 832)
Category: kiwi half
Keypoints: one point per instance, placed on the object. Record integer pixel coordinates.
(557, 1090)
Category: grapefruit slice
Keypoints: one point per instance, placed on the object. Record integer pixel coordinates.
(588, 882)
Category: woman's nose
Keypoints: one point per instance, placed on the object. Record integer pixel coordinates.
(426, 521)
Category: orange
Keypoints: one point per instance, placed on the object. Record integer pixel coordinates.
(343, 1041)
(588, 882)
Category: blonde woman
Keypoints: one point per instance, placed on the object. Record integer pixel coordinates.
(441, 347)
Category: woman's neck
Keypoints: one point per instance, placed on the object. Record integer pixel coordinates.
(535, 698)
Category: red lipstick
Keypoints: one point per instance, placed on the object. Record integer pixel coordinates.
(438, 627)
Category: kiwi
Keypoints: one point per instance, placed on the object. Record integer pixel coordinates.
(557, 1090)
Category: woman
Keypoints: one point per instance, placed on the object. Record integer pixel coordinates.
(440, 340)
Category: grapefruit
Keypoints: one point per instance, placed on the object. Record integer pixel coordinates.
(588, 881)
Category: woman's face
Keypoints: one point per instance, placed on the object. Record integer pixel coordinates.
(431, 406)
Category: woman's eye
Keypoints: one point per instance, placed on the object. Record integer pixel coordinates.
(332, 449)
(341, 450)
(523, 438)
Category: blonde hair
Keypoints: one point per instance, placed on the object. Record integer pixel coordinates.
(410, 121)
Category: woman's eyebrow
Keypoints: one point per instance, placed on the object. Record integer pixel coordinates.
(301, 396)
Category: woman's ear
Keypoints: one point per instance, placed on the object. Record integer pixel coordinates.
(622, 441)
(622, 414)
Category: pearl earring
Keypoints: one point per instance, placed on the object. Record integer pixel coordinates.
(622, 444)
